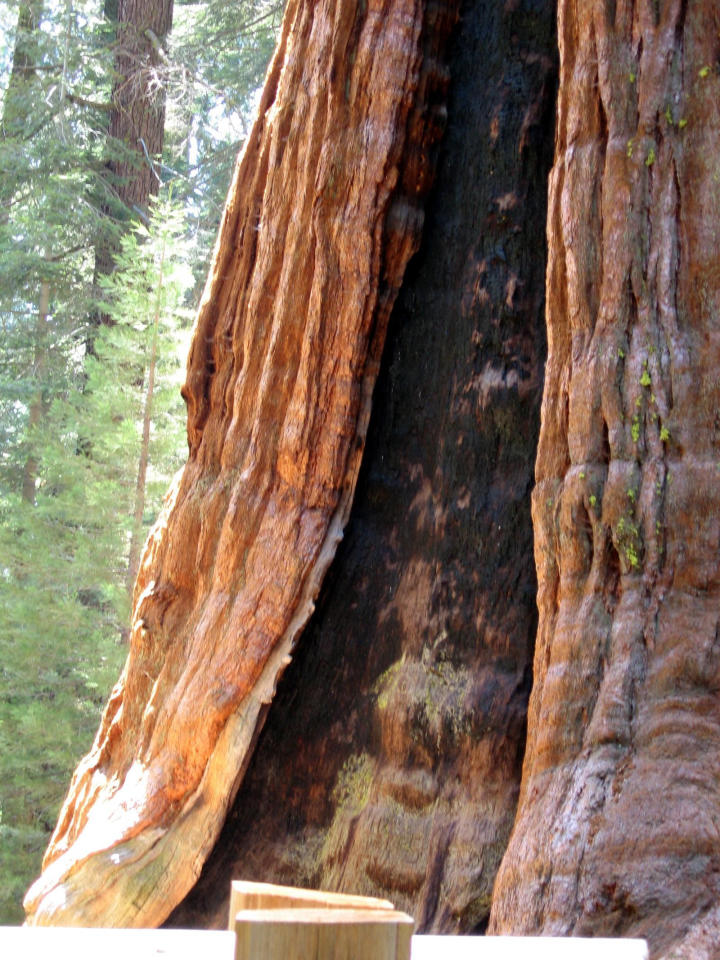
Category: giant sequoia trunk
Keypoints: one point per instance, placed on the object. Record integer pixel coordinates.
(390, 761)
(324, 212)
(617, 829)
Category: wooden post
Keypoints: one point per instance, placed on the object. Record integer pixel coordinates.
(322, 934)
(246, 895)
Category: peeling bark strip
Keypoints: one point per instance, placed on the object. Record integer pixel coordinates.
(324, 213)
(617, 826)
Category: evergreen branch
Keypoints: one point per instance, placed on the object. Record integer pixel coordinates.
(6, 204)
(220, 34)
(92, 104)
(36, 68)
(56, 258)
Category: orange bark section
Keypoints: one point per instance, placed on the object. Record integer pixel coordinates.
(323, 215)
(616, 831)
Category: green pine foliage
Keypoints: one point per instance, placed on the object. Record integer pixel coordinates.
(55, 664)
(64, 606)
(92, 436)
(52, 183)
(218, 56)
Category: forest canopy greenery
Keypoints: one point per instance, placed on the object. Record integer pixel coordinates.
(91, 421)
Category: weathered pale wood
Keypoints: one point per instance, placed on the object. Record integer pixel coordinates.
(247, 895)
(322, 934)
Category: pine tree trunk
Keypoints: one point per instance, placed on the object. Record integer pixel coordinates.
(324, 213)
(138, 117)
(137, 120)
(617, 825)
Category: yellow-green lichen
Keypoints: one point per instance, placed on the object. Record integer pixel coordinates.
(385, 683)
(352, 788)
(351, 794)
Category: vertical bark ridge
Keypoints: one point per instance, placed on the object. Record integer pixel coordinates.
(310, 255)
(615, 828)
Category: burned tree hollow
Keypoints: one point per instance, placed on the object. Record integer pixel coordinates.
(390, 760)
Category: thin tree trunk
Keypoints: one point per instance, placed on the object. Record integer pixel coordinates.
(39, 403)
(616, 831)
(136, 536)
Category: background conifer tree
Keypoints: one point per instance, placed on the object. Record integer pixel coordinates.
(71, 420)
(63, 582)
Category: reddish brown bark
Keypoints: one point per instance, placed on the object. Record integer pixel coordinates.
(617, 825)
(324, 212)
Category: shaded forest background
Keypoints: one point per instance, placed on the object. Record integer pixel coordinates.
(120, 123)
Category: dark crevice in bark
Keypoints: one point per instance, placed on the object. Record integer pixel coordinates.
(610, 10)
(584, 524)
(612, 580)
(605, 444)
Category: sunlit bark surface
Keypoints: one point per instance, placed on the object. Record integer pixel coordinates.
(617, 830)
(323, 215)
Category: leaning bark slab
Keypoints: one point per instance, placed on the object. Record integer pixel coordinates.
(323, 215)
(617, 827)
